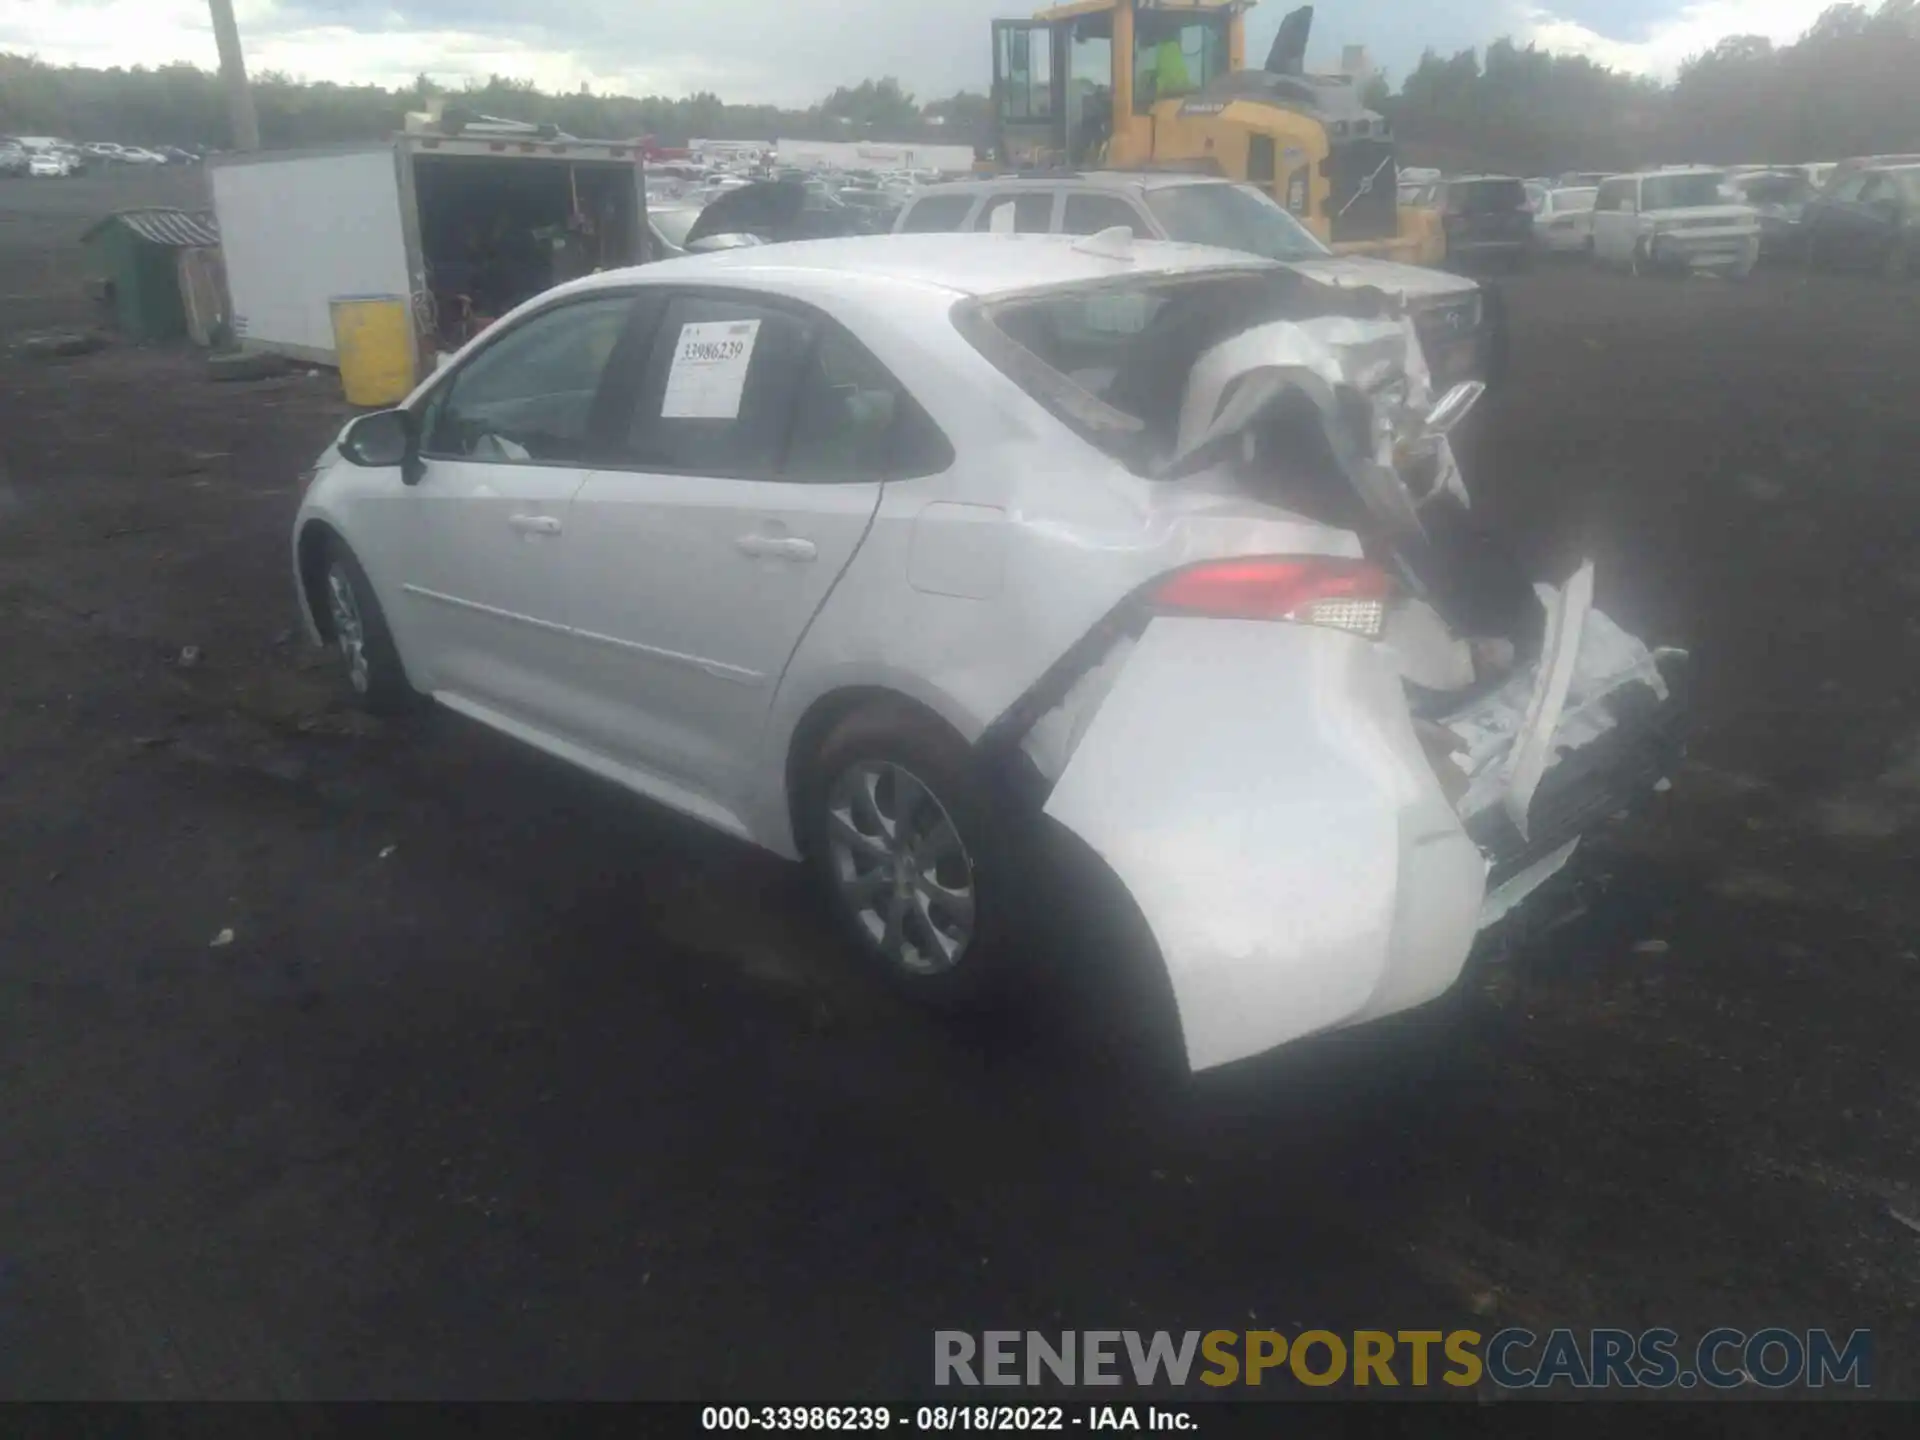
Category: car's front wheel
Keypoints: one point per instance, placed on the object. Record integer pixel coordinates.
(912, 854)
(358, 628)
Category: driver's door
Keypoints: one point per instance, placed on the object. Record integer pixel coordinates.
(506, 443)
(1029, 93)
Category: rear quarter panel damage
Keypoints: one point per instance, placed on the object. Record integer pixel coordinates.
(1260, 791)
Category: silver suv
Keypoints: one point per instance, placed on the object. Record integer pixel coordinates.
(1461, 323)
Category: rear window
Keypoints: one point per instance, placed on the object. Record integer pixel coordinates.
(1681, 192)
(937, 214)
(1233, 217)
(1110, 358)
(1483, 197)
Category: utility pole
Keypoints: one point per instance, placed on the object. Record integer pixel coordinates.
(233, 77)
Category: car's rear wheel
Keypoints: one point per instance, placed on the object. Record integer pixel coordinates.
(358, 628)
(914, 858)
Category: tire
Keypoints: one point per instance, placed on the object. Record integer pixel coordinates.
(357, 626)
(893, 793)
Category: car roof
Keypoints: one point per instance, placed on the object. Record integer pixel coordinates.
(961, 264)
(1095, 179)
(1477, 179)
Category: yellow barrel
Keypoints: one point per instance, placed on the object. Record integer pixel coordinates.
(373, 336)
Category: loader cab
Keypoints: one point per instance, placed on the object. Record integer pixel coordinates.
(1164, 84)
(1077, 84)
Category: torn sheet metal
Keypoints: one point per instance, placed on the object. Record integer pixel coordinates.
(1566, 619)
(1260, 792)
(1516, 890)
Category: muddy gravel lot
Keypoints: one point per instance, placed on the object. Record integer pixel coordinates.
(348, 1059)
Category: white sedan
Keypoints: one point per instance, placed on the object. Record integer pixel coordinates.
(887, 553)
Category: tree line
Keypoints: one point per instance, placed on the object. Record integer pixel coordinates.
(183, 105)
(1850, 85)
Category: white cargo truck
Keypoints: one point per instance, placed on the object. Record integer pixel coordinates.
(462, 226)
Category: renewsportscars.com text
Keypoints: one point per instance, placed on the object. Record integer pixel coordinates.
(1514, 1359)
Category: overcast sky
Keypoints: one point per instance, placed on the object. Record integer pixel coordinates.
(793, 52)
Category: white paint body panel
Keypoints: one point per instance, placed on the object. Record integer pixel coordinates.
(1259, 790)
(299, 231)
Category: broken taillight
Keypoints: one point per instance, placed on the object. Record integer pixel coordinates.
(1340, 594)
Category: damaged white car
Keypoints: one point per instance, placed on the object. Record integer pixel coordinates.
(884, 553)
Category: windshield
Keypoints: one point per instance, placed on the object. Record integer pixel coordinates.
(1234, 217)
(674, 224)
(1681, 192)
(1568, 200)
(1774, 189)
(1482, 197)
(1907, 181)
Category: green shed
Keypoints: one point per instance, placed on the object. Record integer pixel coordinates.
(137, 253)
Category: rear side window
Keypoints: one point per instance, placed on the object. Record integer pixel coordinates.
(717, 390)
(853, 421)
(937, 214)
(1032, 211)
(1090, 214)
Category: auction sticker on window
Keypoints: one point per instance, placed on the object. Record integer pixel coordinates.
(709, 370)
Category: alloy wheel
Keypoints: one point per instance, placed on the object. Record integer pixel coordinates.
(349, 631)
(901, 866)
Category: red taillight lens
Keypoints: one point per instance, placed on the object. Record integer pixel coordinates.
(1346, 595)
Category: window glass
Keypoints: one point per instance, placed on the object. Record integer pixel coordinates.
(1614, 195)
(716, 394)
(1681, 192)
(1848, 188)
(1233, 217)
(1171, 59)
(528, 396)
(1032, 211)
(854, 421)
(1090, 214)
(938, 214)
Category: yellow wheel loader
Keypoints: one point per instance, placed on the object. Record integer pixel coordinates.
(1136, 84)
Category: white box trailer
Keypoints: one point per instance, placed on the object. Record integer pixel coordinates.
(402, 217)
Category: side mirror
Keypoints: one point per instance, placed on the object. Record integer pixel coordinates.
(381, 441)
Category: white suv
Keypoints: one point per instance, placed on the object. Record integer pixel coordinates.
(1462, 325)
(1674, 220)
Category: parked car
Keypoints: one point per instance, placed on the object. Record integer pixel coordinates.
(49, 165)
(1674, 220)
(1487, 221)
(14, 161)
(1563, 224)
(671, 225)
(1461, 323)
(911, 554)
(1867, 219)
(1778, 199)
(135, 155)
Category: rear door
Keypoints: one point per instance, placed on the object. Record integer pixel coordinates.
(751, 463)
(1613, 222)
(506, 443)
(1838, 221)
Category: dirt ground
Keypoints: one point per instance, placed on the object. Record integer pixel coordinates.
(508, 1087)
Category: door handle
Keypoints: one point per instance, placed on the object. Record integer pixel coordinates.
(535, 524)
(777, 547)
